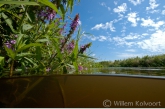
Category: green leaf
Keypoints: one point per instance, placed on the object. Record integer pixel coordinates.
(31, 15)
(23, 18)
(2, 62)
(74, 56)
(38, 53)
(28, 46)
(19, 2)
(82, 55)
(23, 55)
(63, 10)
(64, 70)
(26, 13)
(9, 22)
(71, 5)
(1, 5)
(50, 26)
(27, 27)
(10, 53)
(13, 14)
(19, 40)
(50, 4)
(31, 61)
(42, 40)
(59, 55)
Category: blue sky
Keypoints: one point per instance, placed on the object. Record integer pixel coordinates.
(122, 28)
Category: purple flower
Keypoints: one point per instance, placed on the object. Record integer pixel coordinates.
(8, 45)
(84, 47)
(80, 68)
(13, 41)
(70, 46)
(62, 41)
(42, 13)
(75, 22)
(50, 16)
(49, 13)
(48, 69)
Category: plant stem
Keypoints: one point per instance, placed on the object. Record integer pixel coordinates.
(11, 68)
(66, 40)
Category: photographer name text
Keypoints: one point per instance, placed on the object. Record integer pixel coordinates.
(136, 103)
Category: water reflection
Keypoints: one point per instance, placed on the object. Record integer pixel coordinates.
(128, 71)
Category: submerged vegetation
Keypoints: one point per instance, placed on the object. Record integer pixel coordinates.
(33, 38)
(146, 61)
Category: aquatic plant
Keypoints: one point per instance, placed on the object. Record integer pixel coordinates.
(34, 42)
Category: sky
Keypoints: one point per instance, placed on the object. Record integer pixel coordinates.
(122, 29)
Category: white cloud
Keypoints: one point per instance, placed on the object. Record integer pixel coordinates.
(121, 41)
(138, 19)
(109, 8)
(130, 50)
(150, 23)
(102, 38)
(104, 4)
(151, 42)
(115, 2)
(136, 2)
(163, 12)
(104, 26)
(121, 9)
(155, 43)
(129, 40)
(93, 38)
(132, 36)
(123, 29)
(132, 18)
(153, 5)
(93, 55)
(145, 34)
(98, 26)
(128, 55)
(154, 11)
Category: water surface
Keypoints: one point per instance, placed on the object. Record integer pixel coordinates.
(145, 71)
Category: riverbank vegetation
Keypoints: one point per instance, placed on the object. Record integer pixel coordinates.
(34, 38)
(145, 61)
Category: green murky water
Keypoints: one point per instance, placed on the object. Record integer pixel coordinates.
(86, 89)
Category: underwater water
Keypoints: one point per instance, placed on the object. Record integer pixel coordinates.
(85, 90)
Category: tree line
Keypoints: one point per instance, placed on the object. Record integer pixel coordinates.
(145, 61)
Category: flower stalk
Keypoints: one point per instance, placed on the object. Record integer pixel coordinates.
(11, 68)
